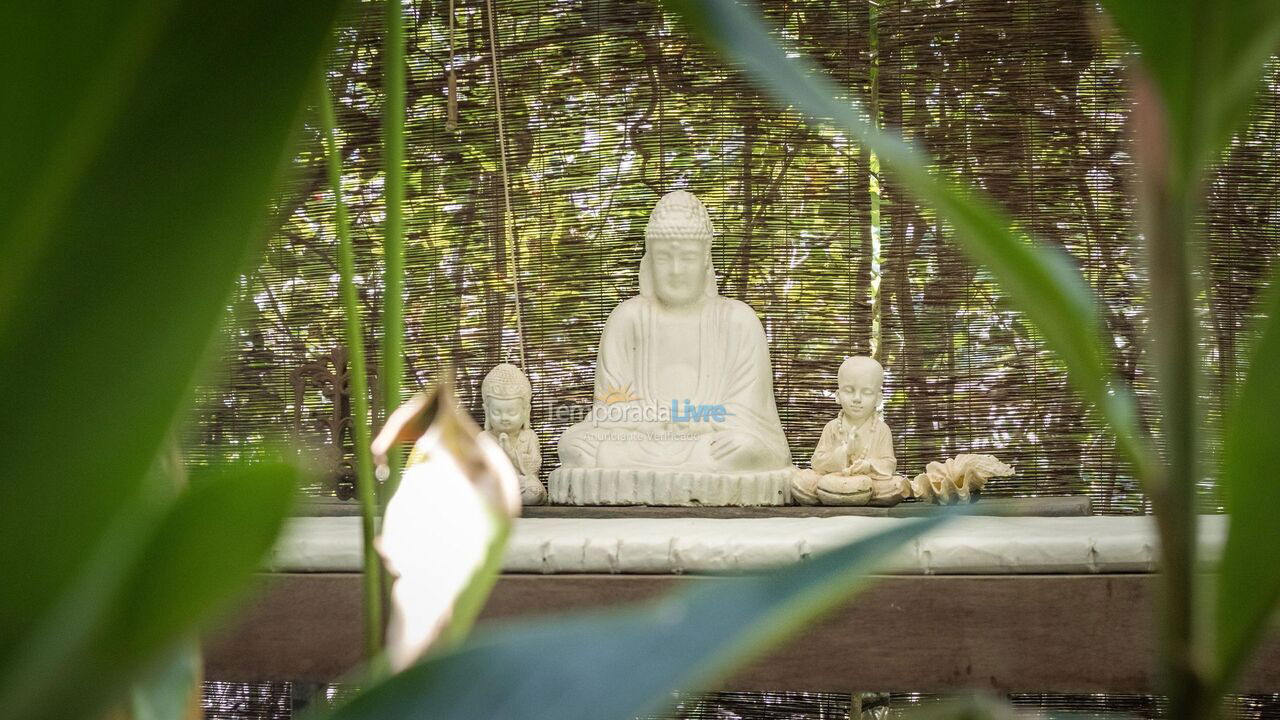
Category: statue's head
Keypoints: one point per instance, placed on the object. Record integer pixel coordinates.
(861, 386)
(507, 396)
(677, 261)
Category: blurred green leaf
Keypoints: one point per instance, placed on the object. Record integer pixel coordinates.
(196, 555)
(1039, 280)
(1203, 62)
(172, 690)
(622, 664)
(1207, 59)
(151, 137)
(202, 552)
(1249, 577)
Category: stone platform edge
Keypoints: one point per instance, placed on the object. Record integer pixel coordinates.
(595, 486)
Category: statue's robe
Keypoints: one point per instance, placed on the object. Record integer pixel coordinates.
(832, 456)
(863, 477)
(733, 370)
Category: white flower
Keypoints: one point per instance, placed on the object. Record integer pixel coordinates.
(455, 500)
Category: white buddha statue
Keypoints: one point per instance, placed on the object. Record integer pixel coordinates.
(508, 397)
(684, 411)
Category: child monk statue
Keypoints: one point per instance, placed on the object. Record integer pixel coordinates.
(507, 398)
(854, 462)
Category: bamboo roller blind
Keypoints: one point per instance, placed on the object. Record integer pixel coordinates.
(277, 701)
(607, 105)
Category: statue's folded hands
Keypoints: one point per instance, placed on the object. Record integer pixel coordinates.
(854, 463)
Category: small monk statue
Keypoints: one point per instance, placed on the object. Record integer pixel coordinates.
(854, 462)
(507, 398)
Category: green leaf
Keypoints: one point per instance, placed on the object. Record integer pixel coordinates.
(366, 482)
(1249, 577)
(621, 664)
(393, 122)
(151, 137)
(202, 552)
(1206, 58)
(196, 555)
(172, 690)
(118, 306)
(1039, 280)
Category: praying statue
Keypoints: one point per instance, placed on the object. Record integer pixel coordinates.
(854, 462)
(683, 412)
(507, 397)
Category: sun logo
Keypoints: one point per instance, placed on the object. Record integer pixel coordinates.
(617, 395)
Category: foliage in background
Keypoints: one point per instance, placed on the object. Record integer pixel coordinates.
(607, 105)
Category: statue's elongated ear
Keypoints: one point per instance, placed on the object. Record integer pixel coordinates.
(710, 287)
(646, 276)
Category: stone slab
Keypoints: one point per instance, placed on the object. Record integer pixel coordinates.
(964, 545)
(595, 486)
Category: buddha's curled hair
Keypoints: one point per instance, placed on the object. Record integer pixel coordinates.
(679, 214)
(507, 382)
